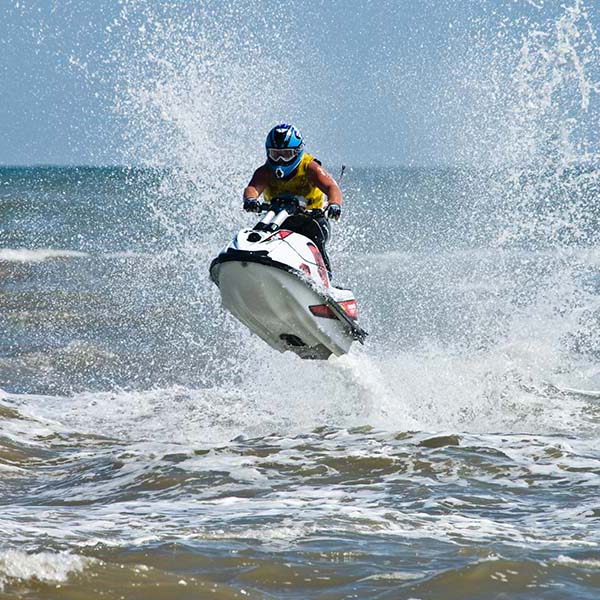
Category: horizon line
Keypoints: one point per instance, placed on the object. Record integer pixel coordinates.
(43, 165)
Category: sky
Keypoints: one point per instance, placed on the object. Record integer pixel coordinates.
(379, 82)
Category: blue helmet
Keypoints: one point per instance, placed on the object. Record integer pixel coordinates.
(285, 149)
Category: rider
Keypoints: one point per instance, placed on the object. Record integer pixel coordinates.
(290, 171)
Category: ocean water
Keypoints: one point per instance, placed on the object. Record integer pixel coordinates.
(151, 447)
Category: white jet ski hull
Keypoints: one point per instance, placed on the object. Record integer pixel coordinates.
(275, 304)
(275, 281)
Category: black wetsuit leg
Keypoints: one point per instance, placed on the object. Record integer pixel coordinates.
(315, 228)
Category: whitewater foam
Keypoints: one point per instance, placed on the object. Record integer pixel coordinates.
(47, 567)
(37, 255)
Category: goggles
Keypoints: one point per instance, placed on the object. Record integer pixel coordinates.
(283, 154)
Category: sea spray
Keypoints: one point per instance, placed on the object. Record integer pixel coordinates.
(532, 85)
(488, 263)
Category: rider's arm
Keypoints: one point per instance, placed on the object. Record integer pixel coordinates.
(257, 184)
(325, 182)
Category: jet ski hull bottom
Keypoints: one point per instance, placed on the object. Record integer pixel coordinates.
(275, 304)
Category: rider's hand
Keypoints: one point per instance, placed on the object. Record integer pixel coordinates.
(334, 211)
(252, 205)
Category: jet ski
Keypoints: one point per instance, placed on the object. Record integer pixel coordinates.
(275, 282)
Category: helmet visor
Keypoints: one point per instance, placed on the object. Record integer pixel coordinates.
(283, 155)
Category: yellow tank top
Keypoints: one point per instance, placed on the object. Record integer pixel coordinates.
(297, 185)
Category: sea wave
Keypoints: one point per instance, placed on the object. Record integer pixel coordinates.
(36, 255)
(46, 567)
(25, 255)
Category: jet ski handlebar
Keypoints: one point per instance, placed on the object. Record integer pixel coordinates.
(278, 210)
(291, 204)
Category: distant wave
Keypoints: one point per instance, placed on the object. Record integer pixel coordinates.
(24, 255)
(37, 255)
